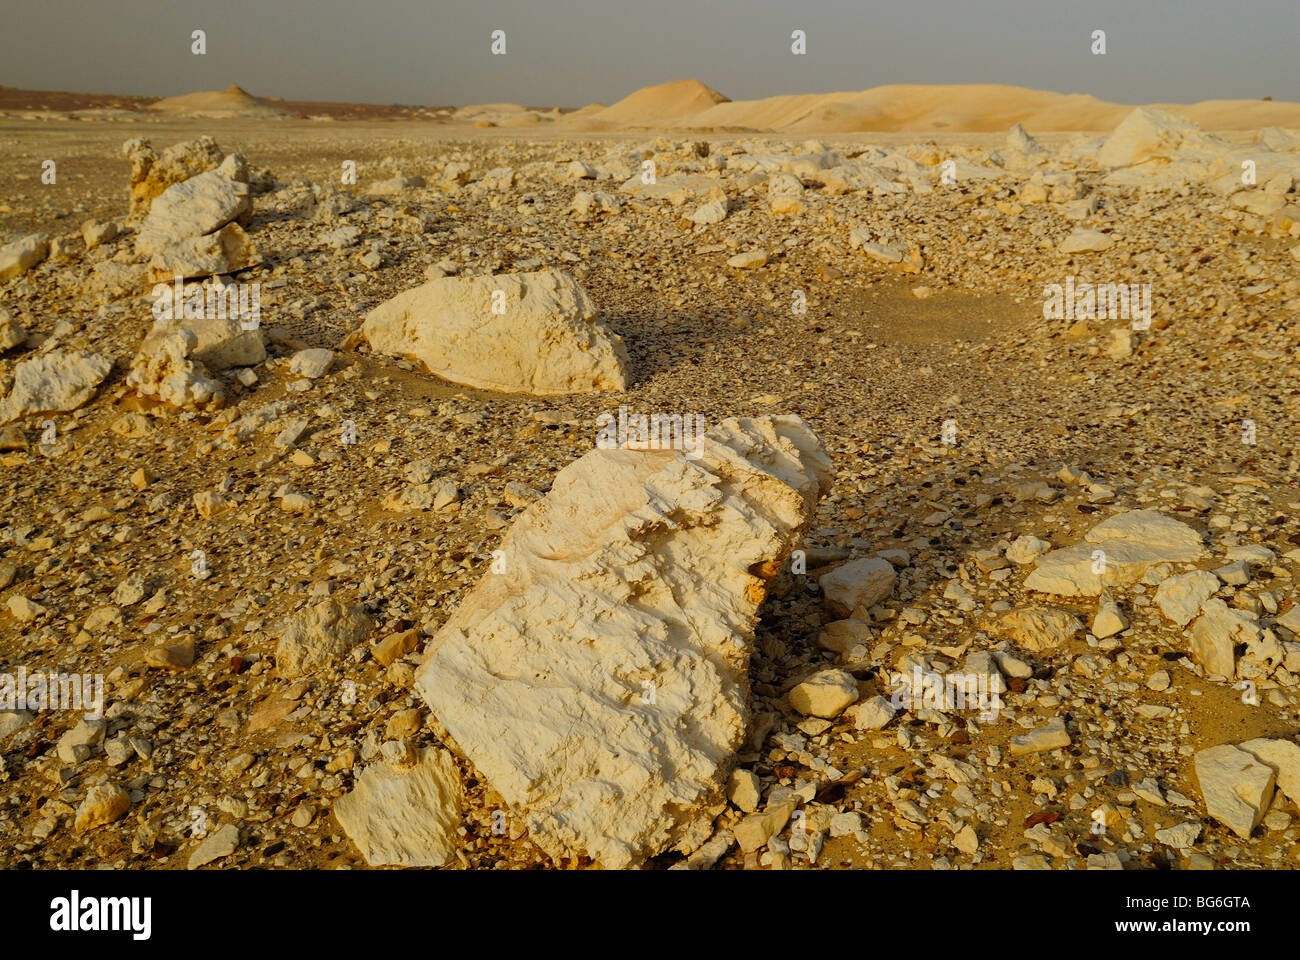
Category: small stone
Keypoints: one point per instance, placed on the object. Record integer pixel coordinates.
(1180, 836)
(312, 364)
(1108, 621)
(216, 846)
(744, 790)
(824, 694)
(845, 824)
(104, 803)
(858, 583)
(1180, 597)
(1050, 736)
(873, 714)
(748, 260)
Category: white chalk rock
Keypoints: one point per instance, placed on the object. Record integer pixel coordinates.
(405, 817)
(1237, 787)
(600, 682)
(543, 338)
(55, 381)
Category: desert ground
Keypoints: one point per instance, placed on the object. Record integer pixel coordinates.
(309, 659)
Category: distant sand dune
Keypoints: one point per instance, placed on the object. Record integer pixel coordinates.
(975, 108)
(665, 104)
(231, 102)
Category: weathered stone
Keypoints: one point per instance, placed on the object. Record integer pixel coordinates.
(545, 338)
(600, 687)
(1049, 736)
(319, 635)
(54, 381)
(873, 714)
(1147, 134)
(22, 254)
(104, 803)
(753, 832)
(165, 368)
(408, 817)
(1283, 756)
(1216, 632)
(11, 331)
(195, 207)
(151, 174)
(1237, 787)
(858, 583)
(1038, 629)
(1086, 241)
(1117, 551)
(744, 790)
(227, 250)
(824, 694)
(1180, 597)
(312, 364)
(1109, 620)
(1027, 549)
(217, 845)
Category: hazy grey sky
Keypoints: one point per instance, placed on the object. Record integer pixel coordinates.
(571, 52)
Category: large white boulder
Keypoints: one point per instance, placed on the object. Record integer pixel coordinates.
(536, 333)
(600, 681)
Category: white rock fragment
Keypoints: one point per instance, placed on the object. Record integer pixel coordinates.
(22, 254)
(405, 817)
(319, 635)
(313, 363)
(1116, 551)
(598, 688)
(1050, 736)
(1237, 788)
(1086, 241)
(217, 845)
(858, 583)
(55, 381)
(1180, 597)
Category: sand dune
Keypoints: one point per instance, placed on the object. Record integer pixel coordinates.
(665, 104)
(690, 105)
(231, 102)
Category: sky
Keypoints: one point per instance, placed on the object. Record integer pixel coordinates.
(573, 52)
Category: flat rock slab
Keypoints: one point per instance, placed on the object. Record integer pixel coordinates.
(1037, 629)
(1117, 551)
(408, 817)
(1050, 736)
(600, 682)
(536, 333)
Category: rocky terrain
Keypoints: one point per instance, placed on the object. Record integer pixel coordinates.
(366, 587)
